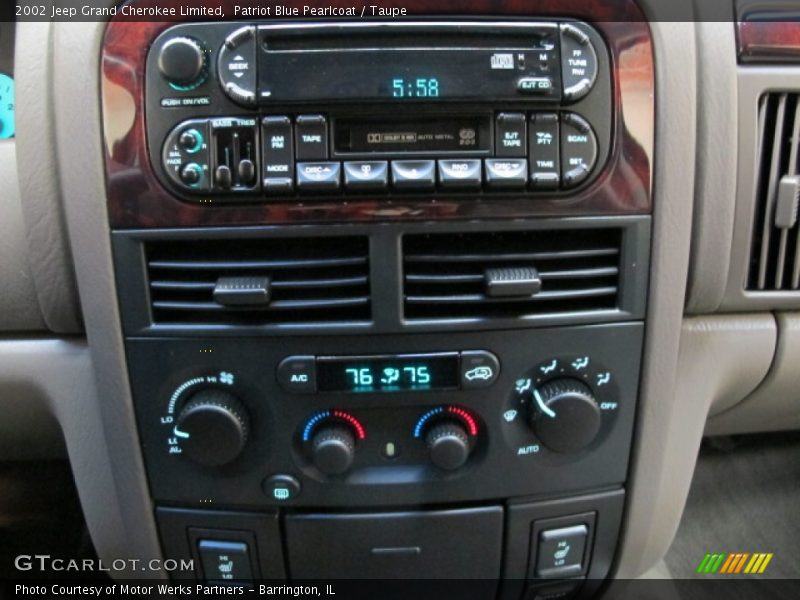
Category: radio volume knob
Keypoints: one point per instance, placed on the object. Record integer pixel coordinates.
(183, 63)
(213, 426)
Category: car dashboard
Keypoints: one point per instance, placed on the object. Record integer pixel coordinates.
(453, 295)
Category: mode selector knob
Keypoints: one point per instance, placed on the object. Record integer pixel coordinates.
(213, 426)
(565, 415)
(183, 62)
(448, 445)
(333, 448)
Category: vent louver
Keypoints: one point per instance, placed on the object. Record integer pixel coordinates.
(448, 276)
(775, 251)
(300, 280)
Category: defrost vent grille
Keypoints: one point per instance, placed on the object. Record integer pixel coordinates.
(252, 282)
(511, 275)
(775, 251)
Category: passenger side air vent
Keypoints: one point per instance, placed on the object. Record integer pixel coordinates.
(775, 251)
(518, 274)
(259, 281)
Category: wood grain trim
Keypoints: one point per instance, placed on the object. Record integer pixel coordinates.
(769, 41)
(136, 199)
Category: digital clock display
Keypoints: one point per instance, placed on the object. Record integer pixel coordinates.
(415, 87)
(402, 373)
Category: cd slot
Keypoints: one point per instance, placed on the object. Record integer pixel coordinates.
(353, 37)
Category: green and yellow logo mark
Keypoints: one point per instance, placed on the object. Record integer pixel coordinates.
(735, 563)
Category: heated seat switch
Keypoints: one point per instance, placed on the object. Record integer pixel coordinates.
(225, 561)
(560, 552)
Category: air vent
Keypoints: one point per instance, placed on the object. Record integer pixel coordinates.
(251, 282)
(775, 252)
(456, 276)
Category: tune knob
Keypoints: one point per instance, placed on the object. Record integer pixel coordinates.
(214, 427)
(448, 445)
(565, 415)
(183, 62)
(333, 448)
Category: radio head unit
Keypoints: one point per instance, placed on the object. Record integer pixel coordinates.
(257, 112)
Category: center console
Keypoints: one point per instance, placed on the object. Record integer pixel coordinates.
(382, 285)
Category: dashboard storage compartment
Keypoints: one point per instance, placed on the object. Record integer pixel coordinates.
(399, 545)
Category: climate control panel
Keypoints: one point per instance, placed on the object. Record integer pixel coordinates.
(467, 415)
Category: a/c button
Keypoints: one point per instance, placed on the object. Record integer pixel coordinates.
(298, 374)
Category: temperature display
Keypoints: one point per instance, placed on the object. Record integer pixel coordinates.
(403, 373)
